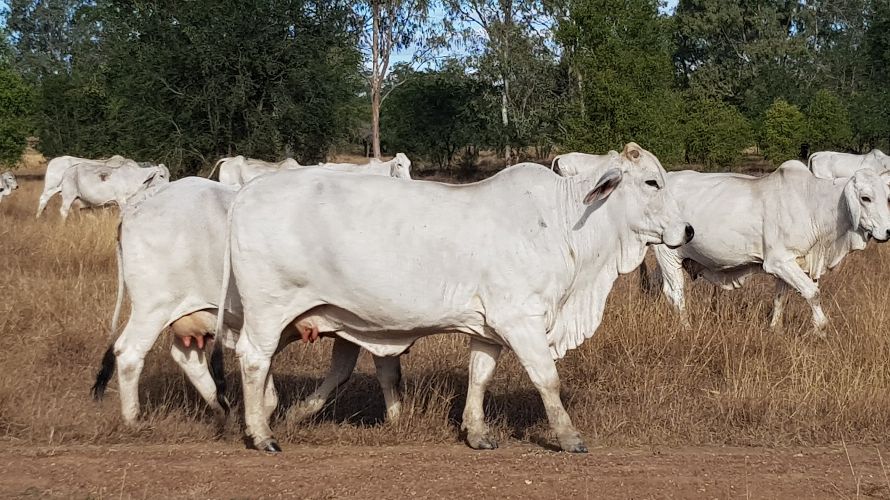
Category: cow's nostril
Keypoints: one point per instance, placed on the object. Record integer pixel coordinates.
(690, 232)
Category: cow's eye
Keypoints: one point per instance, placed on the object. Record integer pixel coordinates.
(865, 199)
(652, 183)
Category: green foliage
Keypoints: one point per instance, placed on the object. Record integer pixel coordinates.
(434, 114)
(621, 59)
(828, 123)
(16, 109)
(716, 133)
(783, 131)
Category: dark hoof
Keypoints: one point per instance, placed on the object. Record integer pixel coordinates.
(483, 443)
(269, 446)
(576, 448)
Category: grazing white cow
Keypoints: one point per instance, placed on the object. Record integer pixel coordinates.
(789, 224)
(97, 184)
(524, 260)
(832, 165)
(570, 164)
(238, 170)
(170, 248)
(8, 184)
(56, 168)
(399, 167)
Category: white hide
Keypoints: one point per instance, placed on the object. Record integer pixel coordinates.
(170, 249)
(524, 259)
(789, 224)
(570, 164)
(56, 168)
(97, 184)
(832, 165)
(399, 167)
(238, 170)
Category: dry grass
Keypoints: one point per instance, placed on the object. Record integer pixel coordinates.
(641, 379)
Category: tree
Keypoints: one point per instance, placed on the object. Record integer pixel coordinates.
(508, 41)
(435, 114)
(620, 52)
(783, 132)
(744, 53)
(395, 24)
(716, 133)
(16, 109)
(828, 123)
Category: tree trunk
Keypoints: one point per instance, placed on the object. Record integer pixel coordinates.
(376, 78)
(506, 122)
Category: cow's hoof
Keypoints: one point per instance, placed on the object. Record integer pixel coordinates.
(573, 444)
(482, 442)
(269, 446)
(575, 448)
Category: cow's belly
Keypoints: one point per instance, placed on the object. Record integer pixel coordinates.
(381, 337)
(723, 254)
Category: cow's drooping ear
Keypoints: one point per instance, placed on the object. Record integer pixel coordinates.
(851, 196)
(632, 151)
(604, 187)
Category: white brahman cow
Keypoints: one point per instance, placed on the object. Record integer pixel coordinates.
(169, 251)
(832, 165)
(238, 170)
(97, 184)
(56, 168)
(399, 167)
(8, 184)
(523, 260)
(789, 224)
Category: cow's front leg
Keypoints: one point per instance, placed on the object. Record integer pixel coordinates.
(672, 281)
(788, 271)
(529, 342)
(256, 361)
(483, 361)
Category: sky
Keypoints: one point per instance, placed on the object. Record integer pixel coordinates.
(405, 55)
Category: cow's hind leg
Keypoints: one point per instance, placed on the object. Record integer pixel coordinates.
(483, 361)
(529, 342)
(255, 349)
(44, 200)
(389, 375)
(778, 305)
(130, 349)
(193, 362)
(343, 358)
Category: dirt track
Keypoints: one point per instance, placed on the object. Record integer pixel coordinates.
(450, 471)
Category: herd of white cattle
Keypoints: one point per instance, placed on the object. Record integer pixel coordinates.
(275, 253)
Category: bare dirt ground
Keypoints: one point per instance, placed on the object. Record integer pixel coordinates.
(440, 471)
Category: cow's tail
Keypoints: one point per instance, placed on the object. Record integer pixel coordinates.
(217, 363)
(106, 370)
(215, 165)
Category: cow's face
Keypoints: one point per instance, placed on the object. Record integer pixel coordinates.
(868, 200)
(9, 180)
(650, 211)
(400, 167)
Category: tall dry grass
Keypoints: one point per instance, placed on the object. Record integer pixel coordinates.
(641, 379)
